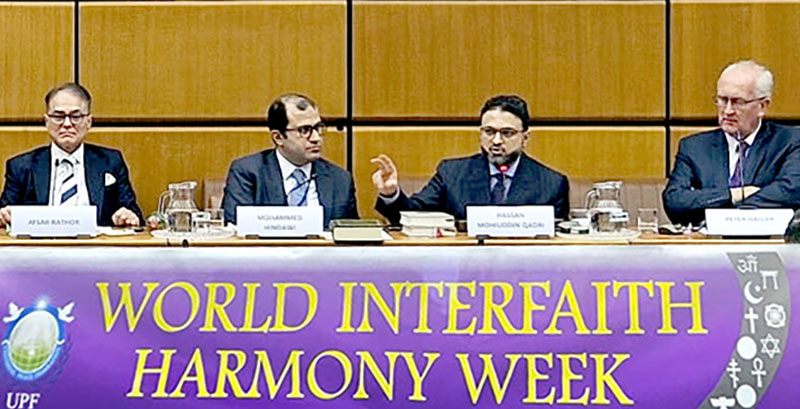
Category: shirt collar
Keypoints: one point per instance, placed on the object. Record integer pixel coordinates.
(749, 139)
(288, 167)
(512, 169)
(57, 154)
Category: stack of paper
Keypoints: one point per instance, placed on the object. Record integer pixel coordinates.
(427, 224)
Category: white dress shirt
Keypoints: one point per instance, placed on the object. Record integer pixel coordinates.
(733, 149)
(56, 154)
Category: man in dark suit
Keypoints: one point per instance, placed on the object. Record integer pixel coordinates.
(293, 173)
(69, 172)
(748, 162)
(500, 174)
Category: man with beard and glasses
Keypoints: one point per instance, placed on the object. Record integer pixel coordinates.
(502, 174)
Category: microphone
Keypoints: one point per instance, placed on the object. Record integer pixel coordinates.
(307, 184)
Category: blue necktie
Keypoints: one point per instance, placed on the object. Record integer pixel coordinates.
(297, 196)
(737, 179)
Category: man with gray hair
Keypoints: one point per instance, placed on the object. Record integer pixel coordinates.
(747, 162)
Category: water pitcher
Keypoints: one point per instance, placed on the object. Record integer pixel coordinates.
(177, 205)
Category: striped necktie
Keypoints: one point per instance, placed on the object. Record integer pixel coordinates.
(737, 179)
(297, 196)
(68, 183)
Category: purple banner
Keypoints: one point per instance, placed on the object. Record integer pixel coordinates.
(400, 327)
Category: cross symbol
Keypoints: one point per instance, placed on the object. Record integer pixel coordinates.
(732, 370)
(758, 371)
(752, 317)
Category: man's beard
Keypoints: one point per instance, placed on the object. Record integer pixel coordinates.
(499, 160)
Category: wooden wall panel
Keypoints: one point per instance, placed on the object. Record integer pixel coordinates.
(602, 153)
(708, 35)
(212, 60)
(159, 156)
(568, 59)
(35, 54)
(579, 152)
(679, 132)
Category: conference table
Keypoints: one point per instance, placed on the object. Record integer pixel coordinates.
(651, 322)
(145, 239)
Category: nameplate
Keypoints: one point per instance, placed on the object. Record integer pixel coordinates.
(279, 221)
(53, 221)
(748, 222)
(510, 221)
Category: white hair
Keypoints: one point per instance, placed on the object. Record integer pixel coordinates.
(764, 81)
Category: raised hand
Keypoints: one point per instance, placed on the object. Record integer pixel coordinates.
(385, 178)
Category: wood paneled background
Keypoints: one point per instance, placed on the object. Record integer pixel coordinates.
(615, 81)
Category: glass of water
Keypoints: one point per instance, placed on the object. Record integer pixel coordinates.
(647, 220)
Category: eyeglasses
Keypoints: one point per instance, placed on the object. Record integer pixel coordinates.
(306, 130)
(506, 133)
(736, 103)
(60, 117)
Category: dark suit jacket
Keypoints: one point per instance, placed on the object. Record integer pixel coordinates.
(28, 181)
(256, 180)
(465, 181)
(699, 179)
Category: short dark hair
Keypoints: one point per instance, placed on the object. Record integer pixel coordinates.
(76, 89)
(509, 103)
(276, 114)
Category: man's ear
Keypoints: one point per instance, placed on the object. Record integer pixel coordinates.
(277, 138)
(764, 107)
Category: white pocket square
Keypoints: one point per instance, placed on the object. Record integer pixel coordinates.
(110, 179)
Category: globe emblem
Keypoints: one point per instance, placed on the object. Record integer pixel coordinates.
(33, 341)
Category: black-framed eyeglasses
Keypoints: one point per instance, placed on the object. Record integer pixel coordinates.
(60, 117)
(506, 133)
(736, 103)
(306, 130)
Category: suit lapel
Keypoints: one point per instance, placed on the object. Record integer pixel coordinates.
(94, 171)
(41, 176)
(324, 187)
(522, 182)
(477, 181)
(719, 154)
(755, 158)
(275, 192)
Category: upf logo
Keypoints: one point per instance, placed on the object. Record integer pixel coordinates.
(32, 344)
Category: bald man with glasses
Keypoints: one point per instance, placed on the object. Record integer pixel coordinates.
(69, 172)
(294, 173)
(746, 162)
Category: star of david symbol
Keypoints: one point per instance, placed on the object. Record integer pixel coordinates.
(769, 346)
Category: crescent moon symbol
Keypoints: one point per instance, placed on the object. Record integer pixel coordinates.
(749, 296)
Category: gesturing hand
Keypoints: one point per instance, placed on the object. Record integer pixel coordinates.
(385, 178)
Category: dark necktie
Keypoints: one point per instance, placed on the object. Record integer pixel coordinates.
(498, 193)
(68, 185)
(737, 179)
